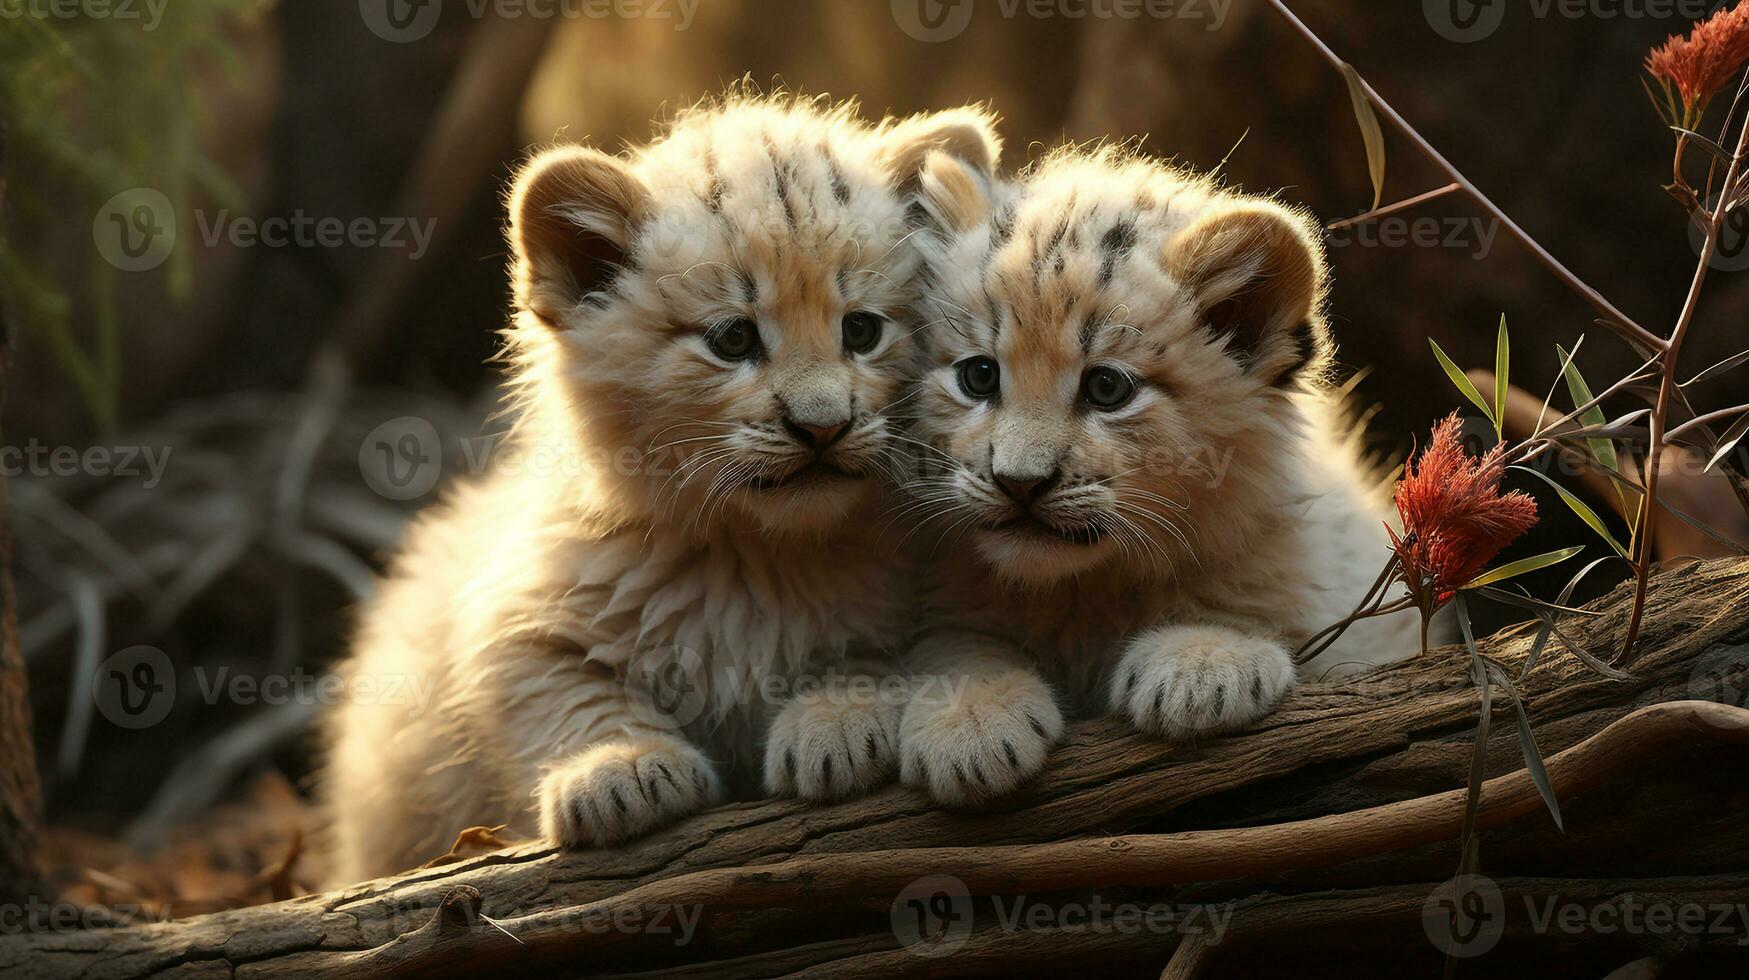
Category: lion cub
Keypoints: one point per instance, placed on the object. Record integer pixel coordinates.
(710, 333)
(1126, 438)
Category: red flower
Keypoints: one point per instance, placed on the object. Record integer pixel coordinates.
(1702, 63)
(1455, 519)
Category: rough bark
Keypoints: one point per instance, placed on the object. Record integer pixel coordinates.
(20, 790)
(1264, 823)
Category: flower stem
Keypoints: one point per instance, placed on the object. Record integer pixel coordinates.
(1655, 445)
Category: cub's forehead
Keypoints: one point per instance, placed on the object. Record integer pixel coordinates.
(811, 178)
(1071, 245)
(773, 194)
(1072, 262)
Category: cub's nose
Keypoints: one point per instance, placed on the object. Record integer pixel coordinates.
(816, 437)
(1024, 490)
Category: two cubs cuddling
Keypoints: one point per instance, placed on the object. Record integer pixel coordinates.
(938, 449)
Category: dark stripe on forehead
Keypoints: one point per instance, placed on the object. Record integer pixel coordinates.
(1041, 258)
(1113, 247)
(780, 181)
(713, 192)
(1065, 231)
(1051, 246)
(1001, 226)
(789, 206)
(1088, 330)
(840, 187)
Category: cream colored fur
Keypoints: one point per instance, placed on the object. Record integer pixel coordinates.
(608, 628)
(1178, 547)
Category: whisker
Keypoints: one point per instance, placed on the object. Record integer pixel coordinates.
(1167, 525)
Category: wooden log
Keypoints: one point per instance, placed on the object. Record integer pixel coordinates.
(1351, 785)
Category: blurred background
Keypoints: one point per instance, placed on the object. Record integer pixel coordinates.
(253, 270)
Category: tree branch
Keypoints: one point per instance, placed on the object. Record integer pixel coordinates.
(1612, 318)
(1360, 777)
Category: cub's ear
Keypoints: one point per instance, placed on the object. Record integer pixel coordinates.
(1256, 273)
(967, 134)
(952, 196)
(573, 213)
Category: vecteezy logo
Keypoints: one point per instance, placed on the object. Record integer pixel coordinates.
(933, 915)
(1731, 254)
(667, 688)
(1478, 437)
(1722, 675)
(1465, 917)
(1464, 21)
(135, 688)
(930, 21)
(135, 230)
(402, 458)
(400, 21)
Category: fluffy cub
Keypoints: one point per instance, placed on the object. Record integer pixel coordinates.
(1125, 439)
(710, 333)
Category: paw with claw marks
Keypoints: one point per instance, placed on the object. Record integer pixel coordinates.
(836, 741)
(619, 790)
(1179, 682)
(967, 740)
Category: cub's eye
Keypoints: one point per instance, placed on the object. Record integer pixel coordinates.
(979, 377)
(862, 331)
(734, 340)
(1107, 388)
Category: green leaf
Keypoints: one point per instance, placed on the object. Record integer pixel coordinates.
(1603, 449)
(1370, 133)
(1537, 646)
(1717, 369)
(1478, 760)
(1533, 757)
(1522, 566)
(1548, 618)
(1610, 429)
(1588, 659)
(1719, 153)
(1580, 508)
(1525, 601)
(1565, 357)
(1729, 440)
(1660, 105)
(1463, 383)
(1502, 372)
(1701, 526)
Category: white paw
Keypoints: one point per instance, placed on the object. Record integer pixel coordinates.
(623, 789)
(966, 740)
(1183, 681)
(837, 741)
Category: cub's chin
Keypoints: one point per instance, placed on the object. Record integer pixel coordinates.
(1032, 554)
(815, 501)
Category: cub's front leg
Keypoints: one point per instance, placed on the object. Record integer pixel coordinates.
(980, 723)
(622, 788)
(838, 738)
(620, 767)
(1186, 680)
